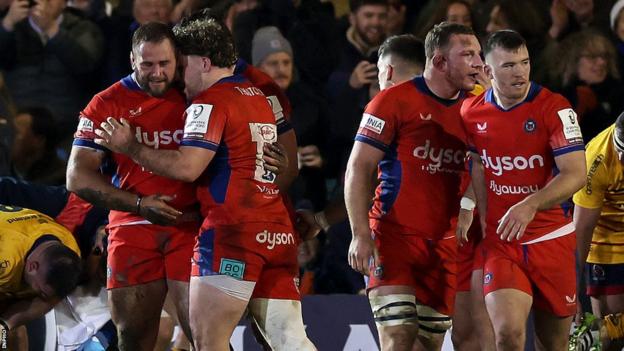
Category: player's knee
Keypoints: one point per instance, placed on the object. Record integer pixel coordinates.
(614, 325)
(509, 337)
(281, 324)
(394, 310)
(432, 324)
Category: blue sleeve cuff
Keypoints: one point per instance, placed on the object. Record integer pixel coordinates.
(200, 143)
(89, 144)
(566, 149)
(372, 142)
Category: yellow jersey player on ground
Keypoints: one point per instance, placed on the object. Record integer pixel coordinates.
(39, 265)
(599, 219)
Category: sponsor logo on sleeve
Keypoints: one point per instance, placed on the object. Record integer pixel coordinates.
(571, 128)
(372, 123)
(276, 107)
(197, 117)
(85, 125)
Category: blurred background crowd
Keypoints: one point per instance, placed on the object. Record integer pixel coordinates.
(56, 54)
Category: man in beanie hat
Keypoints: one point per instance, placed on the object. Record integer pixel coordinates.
(271, 52)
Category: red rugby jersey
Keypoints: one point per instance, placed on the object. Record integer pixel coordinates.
(518, 149)
(420, 174)
(274, 94)
(233, 119)
(159, 124)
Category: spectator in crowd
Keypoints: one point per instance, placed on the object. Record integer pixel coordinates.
(452, 11)
(121, 31)
(7, 111)
(524, 18)
(569, 16)
(617, 28)
(588, 76)
(350, 83)
(33, 153)
(47, 54)
(397, 17)
(272, 53)
(279, 13)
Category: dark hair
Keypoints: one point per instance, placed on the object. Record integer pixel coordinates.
(152, 32)
(63, 269)
(440, 35)
(405, 46)
(507, 39)
(203, 35)
(355, 5)
(43, 124)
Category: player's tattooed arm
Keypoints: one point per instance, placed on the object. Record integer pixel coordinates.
(84, 179)
(102, 199)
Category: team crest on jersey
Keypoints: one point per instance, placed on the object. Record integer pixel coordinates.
(571, 128)
(487, 278)
(530, 125)
(372, 123)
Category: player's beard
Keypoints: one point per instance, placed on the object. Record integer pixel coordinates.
(158, 92)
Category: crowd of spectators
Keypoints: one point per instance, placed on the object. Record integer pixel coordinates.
(56, 54)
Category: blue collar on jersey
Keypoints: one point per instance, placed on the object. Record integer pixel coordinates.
(130, 83)
(241, 66)
(237, 78)
(534, 90)
(421, 85)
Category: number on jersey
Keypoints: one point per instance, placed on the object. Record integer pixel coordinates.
(262, 133)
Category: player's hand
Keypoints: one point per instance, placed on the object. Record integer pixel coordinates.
(275, 158)
(155, 209)
(483, 79)
(117, 136)
(361, 250)
(512, 225)
(559, 16)
(17, 12)
(310, 156)
(364, 73)
(306, 224)
(464, 221)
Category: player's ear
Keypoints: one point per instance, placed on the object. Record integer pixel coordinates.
(488, 71)
(389, 73)
(206, 64)
(439, 61)
(132, 60)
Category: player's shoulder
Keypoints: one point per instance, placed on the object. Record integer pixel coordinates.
(473, 101)
(601, 144)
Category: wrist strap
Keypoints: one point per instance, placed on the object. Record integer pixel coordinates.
(138, 204)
